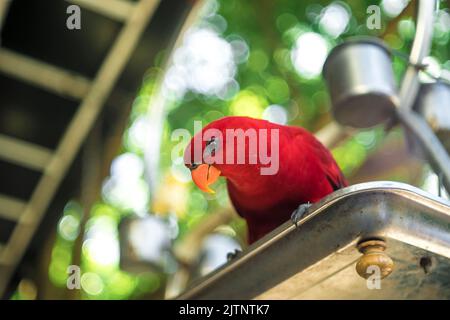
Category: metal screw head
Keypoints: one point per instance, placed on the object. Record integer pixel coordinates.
(374, 255)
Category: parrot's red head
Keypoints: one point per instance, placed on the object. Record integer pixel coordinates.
(238, 148)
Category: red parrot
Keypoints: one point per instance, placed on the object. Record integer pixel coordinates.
(305, 172)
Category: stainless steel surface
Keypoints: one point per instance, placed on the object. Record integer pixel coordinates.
(433, 103)
(317, 258)
(335, 278)
(361, 83)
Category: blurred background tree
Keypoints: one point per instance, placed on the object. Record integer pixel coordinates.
(250, 58)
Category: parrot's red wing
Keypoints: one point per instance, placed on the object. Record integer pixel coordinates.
(328, 164)
(308, 143)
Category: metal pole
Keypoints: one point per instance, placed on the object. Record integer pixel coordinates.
(420, 49)
(436, 154)
(416, 126)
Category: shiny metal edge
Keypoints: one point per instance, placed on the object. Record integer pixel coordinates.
(368, 210)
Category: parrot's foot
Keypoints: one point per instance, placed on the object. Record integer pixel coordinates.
(232, 255)
(300, 212)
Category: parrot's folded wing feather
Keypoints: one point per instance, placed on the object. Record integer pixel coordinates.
(330, 167)
(324, 158)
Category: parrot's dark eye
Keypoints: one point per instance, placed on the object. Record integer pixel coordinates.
(211, 146)
(213, 139)
(192, 166)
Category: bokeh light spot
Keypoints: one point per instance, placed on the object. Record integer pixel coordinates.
(309, 54)
(276, 114)
(91, 283)
(247, 103)
(334, 19)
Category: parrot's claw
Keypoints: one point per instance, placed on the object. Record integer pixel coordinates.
(300, 212)
(232, 255)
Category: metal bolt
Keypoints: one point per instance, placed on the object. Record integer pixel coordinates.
(374, 255)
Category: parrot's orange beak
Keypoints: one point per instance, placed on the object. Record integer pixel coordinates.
(205, 175)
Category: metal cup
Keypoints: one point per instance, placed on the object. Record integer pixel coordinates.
(361, 83)
(433, 103)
